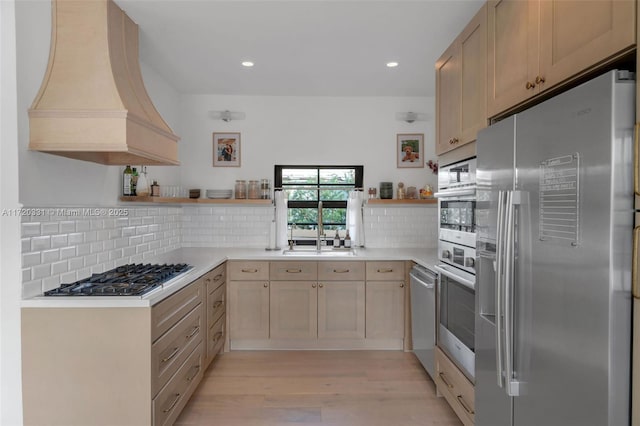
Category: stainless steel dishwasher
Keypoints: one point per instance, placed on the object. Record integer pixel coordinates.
(423, 316)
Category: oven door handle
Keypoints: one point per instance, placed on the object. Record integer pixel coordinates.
(467, 283)
(451, 193)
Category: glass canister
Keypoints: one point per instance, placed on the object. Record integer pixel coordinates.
(265, 189)
(254, 190)
(241, 189)
(386, 190)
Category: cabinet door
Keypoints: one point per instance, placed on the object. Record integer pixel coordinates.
(341, 309)
(473, 74)
(385, 310)
(294, 310)
(575, 35)
(512, 53)
(248, 310)
(448, 99)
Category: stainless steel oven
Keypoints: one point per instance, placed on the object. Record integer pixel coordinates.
(457, 270)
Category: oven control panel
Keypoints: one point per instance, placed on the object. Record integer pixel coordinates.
(457, 255)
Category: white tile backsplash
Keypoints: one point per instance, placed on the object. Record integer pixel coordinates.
(67, 245)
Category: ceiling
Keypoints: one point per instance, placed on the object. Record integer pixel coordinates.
(301, 47)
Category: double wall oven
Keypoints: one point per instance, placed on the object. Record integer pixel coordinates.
(456, 268)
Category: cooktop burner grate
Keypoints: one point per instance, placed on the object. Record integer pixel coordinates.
(126, 280)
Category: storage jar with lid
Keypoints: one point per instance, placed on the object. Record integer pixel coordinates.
(254, 190)
(241, 189)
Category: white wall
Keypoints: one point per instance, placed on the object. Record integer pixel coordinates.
(49, 180)
(303, 130)
(10, 364)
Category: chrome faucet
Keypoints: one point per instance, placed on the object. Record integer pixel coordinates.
(319, 228)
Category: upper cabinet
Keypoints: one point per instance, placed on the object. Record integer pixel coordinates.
(461, 86)
(534, 45)
(92, 104)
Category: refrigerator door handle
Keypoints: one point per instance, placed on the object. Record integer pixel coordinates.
(636, 159)
(498, 286)
(635, 284)
(513, 198)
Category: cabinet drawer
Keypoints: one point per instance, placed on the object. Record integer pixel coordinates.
(215, 304)
(455, 387)
(293, 271)
(175, 395)
(385, 271)
(215, 339)
(168, 312)
(170, 351)
(215, 278)
(341, 271)
(248, 271)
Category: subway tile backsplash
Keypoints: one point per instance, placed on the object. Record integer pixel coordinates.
(63, 245)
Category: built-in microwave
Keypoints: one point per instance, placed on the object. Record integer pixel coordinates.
(457, 176)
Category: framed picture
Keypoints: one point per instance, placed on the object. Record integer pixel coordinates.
(410, 149)
(226, 150)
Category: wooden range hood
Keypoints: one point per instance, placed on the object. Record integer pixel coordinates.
(92, 104)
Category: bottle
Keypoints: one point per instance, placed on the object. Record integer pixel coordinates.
(155, 189)
(336, 240)
(142, 185)
(347, 240)
(134, 182)
(126, 181)
(401, 191)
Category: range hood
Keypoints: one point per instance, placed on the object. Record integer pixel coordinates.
(92, 104)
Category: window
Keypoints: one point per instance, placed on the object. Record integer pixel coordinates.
(305, 186)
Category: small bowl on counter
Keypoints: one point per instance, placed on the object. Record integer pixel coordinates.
(194, 193)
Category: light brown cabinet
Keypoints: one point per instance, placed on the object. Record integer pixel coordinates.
(293, 310)
(461, 87)
(216, 289)
(455, 387)
(248, 299)
(535, 45)
(151, 360)
(341, 309)
(385, 296)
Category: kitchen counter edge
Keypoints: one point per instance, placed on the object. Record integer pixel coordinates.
(203, 259)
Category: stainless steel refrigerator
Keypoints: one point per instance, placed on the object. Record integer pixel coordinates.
(554, 234)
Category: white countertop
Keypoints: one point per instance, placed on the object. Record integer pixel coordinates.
(204, 259)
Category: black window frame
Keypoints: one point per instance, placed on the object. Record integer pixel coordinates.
(358, 184)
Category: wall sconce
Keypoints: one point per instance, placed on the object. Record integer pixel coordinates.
(410, 116)
(227, 115)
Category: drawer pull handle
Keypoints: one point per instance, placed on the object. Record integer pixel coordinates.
(208, 280)
(529, 85)
(250, 271)
(455, 140)
(173, 404)
(217, 304)
(340, 271)
(384, 271)
(294, 271)
(444, 379)
(540, 80)
(217, 277)
(197, 369)
(217, 336)
(464, 405)
(194, 332)
(174, 353)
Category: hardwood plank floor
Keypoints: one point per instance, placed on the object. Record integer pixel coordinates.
(338, 388)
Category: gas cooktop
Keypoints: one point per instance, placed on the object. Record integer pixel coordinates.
(126, 280)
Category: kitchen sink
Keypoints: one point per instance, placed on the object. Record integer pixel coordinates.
(314, 252)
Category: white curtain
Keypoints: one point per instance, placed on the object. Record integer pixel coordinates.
(281, 218)
(354, 218)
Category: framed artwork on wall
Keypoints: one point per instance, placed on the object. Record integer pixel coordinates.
(226, 149)
(410, 150)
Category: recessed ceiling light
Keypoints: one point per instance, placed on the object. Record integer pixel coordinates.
(392, 64)
(247, 64)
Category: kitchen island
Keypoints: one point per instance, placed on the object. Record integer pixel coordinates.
(138, 360)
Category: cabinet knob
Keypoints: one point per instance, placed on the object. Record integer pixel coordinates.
(401, 285)
(530, 85)
(265, 285)
(451, 141)
(313, 286)
(320, 285)
(540, 80)
(455, 140)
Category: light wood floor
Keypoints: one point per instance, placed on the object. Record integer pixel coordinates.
(340, 388)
